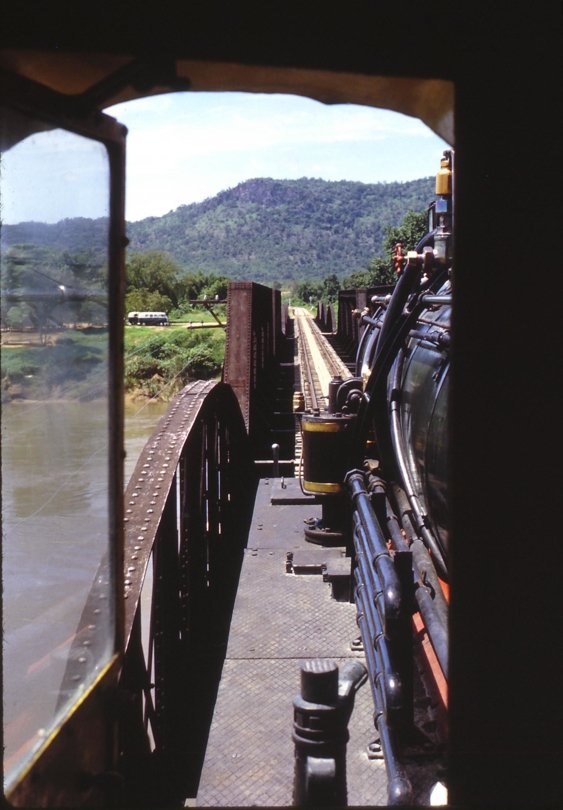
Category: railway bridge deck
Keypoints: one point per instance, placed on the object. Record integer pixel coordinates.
(294, 604)
(284, 614)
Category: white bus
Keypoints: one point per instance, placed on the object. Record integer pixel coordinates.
(148, 318)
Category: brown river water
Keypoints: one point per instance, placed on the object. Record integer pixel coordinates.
(54, 535)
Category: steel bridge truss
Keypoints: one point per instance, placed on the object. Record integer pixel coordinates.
(187, 511)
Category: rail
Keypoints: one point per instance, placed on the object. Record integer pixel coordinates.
(318, 361)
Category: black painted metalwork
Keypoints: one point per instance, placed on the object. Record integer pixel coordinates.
(320, 731)
(383, 596)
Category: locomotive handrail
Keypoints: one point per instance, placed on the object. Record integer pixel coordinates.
(435, 299)
(422, 524)
(388, 597)
(441, 339)
(382, 592)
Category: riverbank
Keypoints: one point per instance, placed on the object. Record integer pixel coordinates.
(160, 361)
(73, 364)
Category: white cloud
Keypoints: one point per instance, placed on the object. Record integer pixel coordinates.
(247, 128)
(183, 148)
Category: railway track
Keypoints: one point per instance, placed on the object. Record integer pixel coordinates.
(318, 364)
(318, 361)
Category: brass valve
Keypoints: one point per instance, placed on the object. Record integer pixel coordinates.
(444, 176)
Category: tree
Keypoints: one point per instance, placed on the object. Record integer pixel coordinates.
(378, 272)
(381, 270)
(144, 300)
(190, 285)
(153, 271)
(215, 286)
(331, 287)
(408, 233)
(308, 290)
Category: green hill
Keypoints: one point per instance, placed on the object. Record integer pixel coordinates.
(276, 230)
(262, 230)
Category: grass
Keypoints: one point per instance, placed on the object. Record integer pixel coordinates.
(73, 363)
(160, 360)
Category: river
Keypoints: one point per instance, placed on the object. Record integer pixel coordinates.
(54, 534)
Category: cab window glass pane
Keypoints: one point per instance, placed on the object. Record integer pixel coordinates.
(56, 607)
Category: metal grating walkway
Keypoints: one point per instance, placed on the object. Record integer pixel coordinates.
(279, 620)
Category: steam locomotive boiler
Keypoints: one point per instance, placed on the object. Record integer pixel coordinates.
(395, 412)
(404, 357)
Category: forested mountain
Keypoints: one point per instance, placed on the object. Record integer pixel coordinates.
(263, 230)
(276, 230)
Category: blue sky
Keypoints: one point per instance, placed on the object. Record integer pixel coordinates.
(183, 148)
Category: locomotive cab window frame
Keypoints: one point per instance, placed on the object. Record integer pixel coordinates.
(74, 731)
